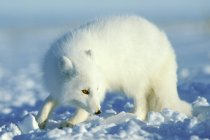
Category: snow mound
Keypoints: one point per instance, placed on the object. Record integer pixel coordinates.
(166, 124)
(7, 132)
(201, 109)
(28, 124)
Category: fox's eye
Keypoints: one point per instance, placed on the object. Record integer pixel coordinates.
(85, 91)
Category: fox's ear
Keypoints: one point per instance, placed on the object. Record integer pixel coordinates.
(65, 63)
(66, 66)
(88, 52)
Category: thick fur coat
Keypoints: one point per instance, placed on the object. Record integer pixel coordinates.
(122, 53)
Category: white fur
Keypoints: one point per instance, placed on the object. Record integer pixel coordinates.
(123, 53)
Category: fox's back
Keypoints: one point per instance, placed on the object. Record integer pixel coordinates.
(123, 47)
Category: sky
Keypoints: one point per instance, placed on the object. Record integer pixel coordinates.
(39, 10)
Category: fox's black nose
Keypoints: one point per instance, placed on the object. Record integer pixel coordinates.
(98, 112)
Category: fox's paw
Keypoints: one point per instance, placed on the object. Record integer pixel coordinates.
(43, 124)
(65, 124)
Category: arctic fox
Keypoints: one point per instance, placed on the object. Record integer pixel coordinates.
(121, 53)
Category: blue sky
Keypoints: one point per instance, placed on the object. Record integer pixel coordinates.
(45, 7)
(58, 10)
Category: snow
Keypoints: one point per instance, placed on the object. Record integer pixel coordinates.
(184, 73)
(28, 124)
(9, 131)
(22, 92)
(206, 69)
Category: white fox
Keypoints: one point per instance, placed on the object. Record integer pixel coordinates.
(121, 53)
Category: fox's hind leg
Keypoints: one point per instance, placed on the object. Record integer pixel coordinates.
(42, 117)
(165, 91)
(140, 102)
(141, 107)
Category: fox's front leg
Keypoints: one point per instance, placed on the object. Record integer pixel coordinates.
(80, 116)
(42, 117)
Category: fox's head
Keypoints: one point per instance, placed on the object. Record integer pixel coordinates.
(82, 84)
